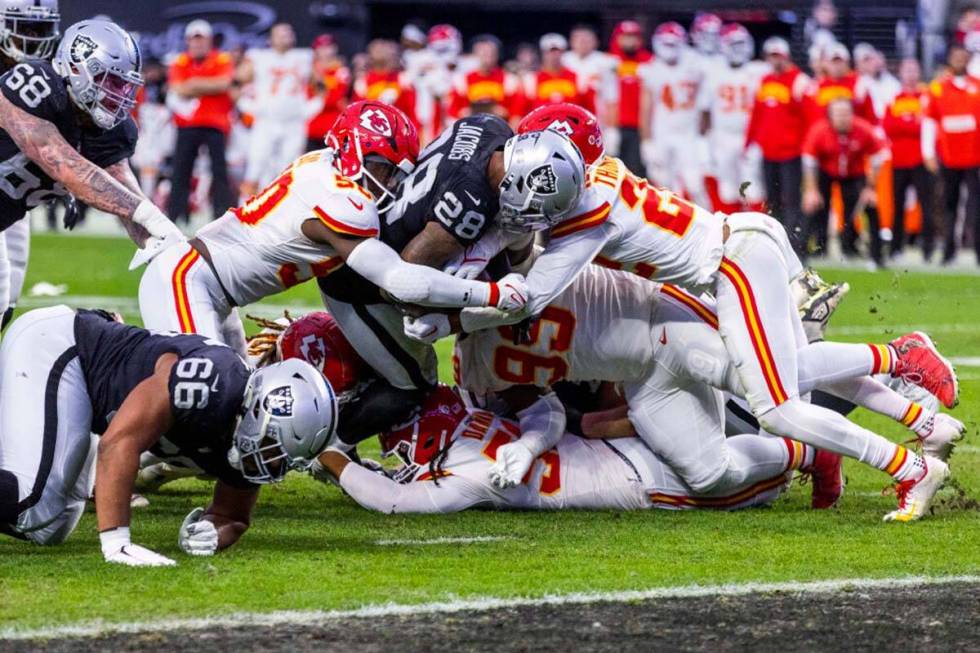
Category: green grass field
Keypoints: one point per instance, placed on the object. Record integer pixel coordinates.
(312, 548)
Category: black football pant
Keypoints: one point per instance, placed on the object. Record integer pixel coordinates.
(953, 180)
(819, 222)
(629, 150)
(784, 181)
(189, 142)
(920, 179)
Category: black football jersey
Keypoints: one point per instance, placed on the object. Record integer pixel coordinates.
(207, 386)
(35, 88)
(448, 186)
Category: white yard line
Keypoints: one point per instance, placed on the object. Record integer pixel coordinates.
(476, 539)
(312, 617)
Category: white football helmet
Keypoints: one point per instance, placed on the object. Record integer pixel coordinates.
(737, 45)
(102, 65)
(289, 414)
(29, 28)
(543, 180)
(669, 41)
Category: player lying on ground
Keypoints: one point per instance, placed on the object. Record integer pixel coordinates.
(320, 214)
(66, 128)
(66, 375)
(663, 346)
(743, 259)
(448, 456)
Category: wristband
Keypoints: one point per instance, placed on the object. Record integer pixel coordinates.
(114, 539)
(494, 295)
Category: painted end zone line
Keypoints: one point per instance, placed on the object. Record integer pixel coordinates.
(476, 539)
(312, 617)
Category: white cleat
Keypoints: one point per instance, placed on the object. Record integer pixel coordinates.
(914, 497)
(946, 432)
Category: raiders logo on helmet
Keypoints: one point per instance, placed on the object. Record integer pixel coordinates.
(312, 349)
(542, 180)
(82, 48)
(279, 402)
(374, 120)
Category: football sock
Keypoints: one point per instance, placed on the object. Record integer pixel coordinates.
(822, 363)
(872, 394)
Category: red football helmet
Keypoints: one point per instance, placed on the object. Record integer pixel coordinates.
(418, 441)
(736, 44)
(571, 120)
(317, 339)
(445, 40)
(376, 141)
(705, 32)
(669, 40)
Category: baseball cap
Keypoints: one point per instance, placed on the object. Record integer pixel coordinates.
(838, 51)
(413, 33)
(776, 45)
(862, 50)
(197, 27)
(324, 40)
(629, 27)
(553, 41)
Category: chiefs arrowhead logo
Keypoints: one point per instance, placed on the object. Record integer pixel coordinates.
(376, 121)
(313, 349)
(542, 180)
(562, 127)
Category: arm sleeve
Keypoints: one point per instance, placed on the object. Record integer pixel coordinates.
(381, 494)
(542, 424)
(415, 284)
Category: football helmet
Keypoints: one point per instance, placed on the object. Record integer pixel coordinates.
(576, 123)
(737, 45)
(669, 41)
(544, 175)
(427, 433)
(317, 339)
(705, 32)
(445, 41)
(102, 65)
(289, 414)
(29, 28)
(377, 142)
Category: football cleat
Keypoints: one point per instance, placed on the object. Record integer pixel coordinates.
(914, 497)
(828, 479)
(817, 300)
(946, 432)
(919, 362)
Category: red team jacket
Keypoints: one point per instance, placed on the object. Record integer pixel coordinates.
(777, 122)
(842, 156)
(825, 90)
(902, 123)
(957, 113)
(546, 87)
(496, 87)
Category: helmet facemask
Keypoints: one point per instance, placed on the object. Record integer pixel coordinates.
(29, 34)
(257, 450)
(381, 179)
(110, 97)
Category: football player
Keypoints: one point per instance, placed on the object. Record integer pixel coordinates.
(744, 259)
(669, 113)
(448, 459)
(28, 30)
(320, 214)
(725, 102)
(444, 206)
(66, 128)
(67, 375)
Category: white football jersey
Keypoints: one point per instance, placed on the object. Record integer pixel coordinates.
(599, 327)
(578, 473)
(259, 249)
(674, 93)
(728, 94)
(281, 82)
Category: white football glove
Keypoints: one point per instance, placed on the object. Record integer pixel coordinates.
(148, 216)
(153, 247)
(198, 536)
(513, 462)
(467, 265)
(427, 328)
(513, 293)
(117, 548)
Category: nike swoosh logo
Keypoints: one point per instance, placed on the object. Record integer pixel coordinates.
(356, 205)
(214, 386)
(663, 336)
(472, 199)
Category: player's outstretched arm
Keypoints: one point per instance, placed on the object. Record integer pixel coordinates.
(42, 143)
(206, 531)
(142, 418)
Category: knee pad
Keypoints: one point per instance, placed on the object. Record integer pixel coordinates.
(9, 497)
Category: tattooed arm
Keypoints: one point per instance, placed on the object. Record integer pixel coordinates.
(122, 173)
(40, 141)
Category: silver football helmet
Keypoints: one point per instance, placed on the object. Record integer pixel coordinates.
(289, 414)
(29, 28)
(544, 175)
(102, 65)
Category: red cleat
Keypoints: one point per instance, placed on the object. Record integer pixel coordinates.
(921, 364)
(828, 479)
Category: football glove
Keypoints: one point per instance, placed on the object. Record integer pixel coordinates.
(153, 247)
(513, 462)
(513, 293)
(72, 212)
(117, 548)
(198, 536)
(427, 328)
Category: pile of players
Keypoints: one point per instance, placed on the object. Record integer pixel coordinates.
(600, 324)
